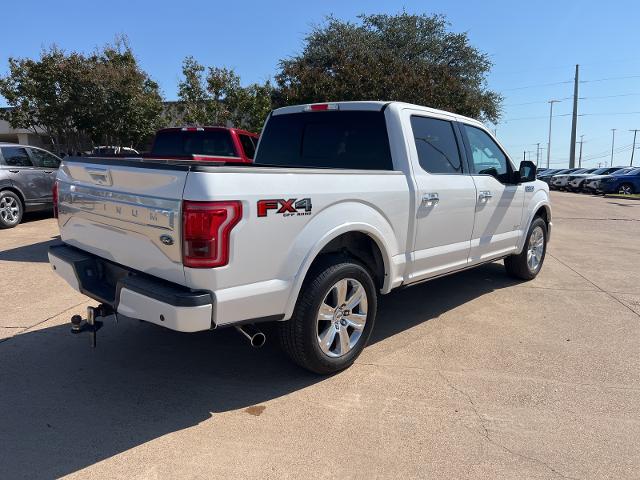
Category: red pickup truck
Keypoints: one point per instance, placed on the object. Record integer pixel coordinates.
(208, 144)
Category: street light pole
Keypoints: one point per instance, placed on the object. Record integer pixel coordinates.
(551, 102)
(635, 131)
(613, 142)
(580, 157)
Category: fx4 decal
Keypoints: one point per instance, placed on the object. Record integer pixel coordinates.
(287, 208)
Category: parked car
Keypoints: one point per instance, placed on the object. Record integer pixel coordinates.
(561, 180)
(576, 181)
(592, 183)
(626, 183)
(548, 175)
(27, 176)
(208, 144)
(345, 201)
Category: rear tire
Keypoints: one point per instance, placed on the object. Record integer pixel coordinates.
(11, 209)
(328, 329)
(528, 263)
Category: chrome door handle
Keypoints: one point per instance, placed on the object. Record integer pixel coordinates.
(430, 199)
(14, 171)
(48, 171)
(484, 196)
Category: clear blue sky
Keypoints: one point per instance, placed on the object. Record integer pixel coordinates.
(531, 43)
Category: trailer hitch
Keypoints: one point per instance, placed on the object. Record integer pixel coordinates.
(92, 324)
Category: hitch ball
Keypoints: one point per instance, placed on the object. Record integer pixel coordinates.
(76, 322)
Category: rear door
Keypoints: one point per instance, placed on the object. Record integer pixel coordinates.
(48, 164)
(31, 181)
(499, 203)
(446, 196)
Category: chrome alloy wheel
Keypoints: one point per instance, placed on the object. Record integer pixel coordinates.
(535, 250)
(625, 189)
(341, 317)
(9, 210)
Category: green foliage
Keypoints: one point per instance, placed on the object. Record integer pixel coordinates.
(219, 98)
(410, 58)
(104, 97)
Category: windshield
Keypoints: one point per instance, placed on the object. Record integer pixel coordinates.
(635, 171)
(600, 171)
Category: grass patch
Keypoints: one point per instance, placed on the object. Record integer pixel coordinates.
(619, 195)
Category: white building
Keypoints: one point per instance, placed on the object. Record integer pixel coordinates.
(19, 135)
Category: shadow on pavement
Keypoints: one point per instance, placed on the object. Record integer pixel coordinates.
(39, 215)
(64, 406)
(36, 252)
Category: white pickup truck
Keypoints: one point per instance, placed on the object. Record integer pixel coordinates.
(345, 201)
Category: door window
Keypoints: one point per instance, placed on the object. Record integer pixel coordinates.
(44, 159)
(486, 156)
(436, 145)
(248, 146)
(16, 157)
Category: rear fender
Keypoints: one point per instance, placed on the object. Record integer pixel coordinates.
(330, 224)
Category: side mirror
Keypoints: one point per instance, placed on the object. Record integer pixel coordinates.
(527, 172)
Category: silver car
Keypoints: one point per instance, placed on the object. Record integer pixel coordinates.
(27, 175)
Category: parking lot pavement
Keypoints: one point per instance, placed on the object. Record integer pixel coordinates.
(469, 376)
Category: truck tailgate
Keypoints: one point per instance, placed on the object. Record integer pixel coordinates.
(125, 211)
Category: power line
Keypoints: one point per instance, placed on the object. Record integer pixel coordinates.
(609, 78)
(536, 86)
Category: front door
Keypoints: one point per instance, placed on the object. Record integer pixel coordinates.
(499, 203)
(48, 164)
(446, 198)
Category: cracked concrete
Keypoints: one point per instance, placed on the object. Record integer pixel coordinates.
(470, 376)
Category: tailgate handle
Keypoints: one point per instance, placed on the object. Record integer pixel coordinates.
(100, 176)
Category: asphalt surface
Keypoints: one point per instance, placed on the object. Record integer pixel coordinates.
(469, 376)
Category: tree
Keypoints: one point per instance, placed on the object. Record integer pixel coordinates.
(220, 99)
(195, 101)
(73, 98)
(404, 57)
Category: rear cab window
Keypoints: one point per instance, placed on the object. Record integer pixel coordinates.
(326, 139)
(217, 143)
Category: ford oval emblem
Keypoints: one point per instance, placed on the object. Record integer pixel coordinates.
(166, 239)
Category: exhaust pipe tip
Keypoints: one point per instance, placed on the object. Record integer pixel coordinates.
(256, 338)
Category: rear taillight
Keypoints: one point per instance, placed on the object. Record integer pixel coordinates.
(54, 192)
(206, 228)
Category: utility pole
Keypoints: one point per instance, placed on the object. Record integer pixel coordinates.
(551, 102)
(580, 158)
(537, 154)
(613, 142)
(635, 132)
(574, 122)
(524, 155)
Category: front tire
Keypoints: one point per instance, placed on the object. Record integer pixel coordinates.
(333, 318)
(626, 189)
(11, 209)
(528, 263)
